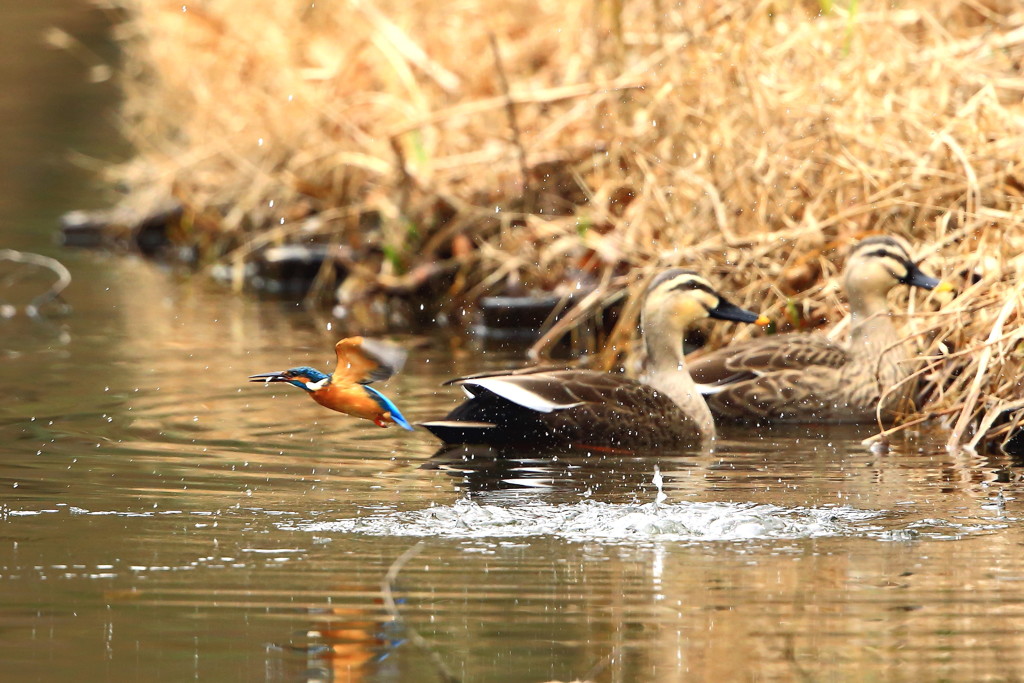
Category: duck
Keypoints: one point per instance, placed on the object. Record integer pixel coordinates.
(808, 377)
(661, 408)
(360, 362)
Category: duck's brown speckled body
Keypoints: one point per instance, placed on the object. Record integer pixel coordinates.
(592, 408)
(662, 409)
(811, 378)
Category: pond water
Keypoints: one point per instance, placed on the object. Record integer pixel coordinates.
(163, 519)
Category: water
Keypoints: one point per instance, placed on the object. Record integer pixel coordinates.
(163, 519)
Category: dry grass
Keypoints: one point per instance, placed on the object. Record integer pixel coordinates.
(544, 143)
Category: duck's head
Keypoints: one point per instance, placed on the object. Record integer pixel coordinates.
(677, 298)
(877, 264)
(303, 377)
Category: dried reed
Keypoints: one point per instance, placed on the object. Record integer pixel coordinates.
(549, 143)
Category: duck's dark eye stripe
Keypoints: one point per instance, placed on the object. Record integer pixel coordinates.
(881, 246)
(670, 274)
(883, 253)
(692, 284)
(887, 241)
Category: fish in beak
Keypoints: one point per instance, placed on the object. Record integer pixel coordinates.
(269, 377)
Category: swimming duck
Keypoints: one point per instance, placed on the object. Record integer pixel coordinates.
(811, 378)
(662, 408)
(360, 361)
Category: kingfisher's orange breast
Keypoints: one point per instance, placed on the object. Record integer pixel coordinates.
(352, 400)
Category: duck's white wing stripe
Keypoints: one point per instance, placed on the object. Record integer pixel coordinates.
(512, 391)
(717, 387)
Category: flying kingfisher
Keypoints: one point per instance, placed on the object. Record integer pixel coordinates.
(360, 361)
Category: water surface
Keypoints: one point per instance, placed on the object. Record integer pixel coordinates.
(163, 518)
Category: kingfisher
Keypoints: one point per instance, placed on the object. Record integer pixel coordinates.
(360, 362)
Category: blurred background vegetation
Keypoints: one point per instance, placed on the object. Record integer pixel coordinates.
(421, 156)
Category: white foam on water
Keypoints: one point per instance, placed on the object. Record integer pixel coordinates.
(612, 522)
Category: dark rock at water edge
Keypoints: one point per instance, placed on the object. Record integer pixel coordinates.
(146, 232)
(515, 317)
(290, 270)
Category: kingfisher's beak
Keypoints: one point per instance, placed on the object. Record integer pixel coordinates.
(269, 377)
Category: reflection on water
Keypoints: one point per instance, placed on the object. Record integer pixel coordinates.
(163, 519)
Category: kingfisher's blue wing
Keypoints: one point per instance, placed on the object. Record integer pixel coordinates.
(390, 407)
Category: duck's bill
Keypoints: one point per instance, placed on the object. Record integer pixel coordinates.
(727, 311)
(916, 278)
(268, 377)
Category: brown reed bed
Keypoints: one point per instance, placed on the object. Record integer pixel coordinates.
(531, 146)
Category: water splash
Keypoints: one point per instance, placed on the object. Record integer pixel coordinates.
(610, 522)
(661, 497)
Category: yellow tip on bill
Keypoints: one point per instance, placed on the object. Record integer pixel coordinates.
(944, 287)
(762, 320)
